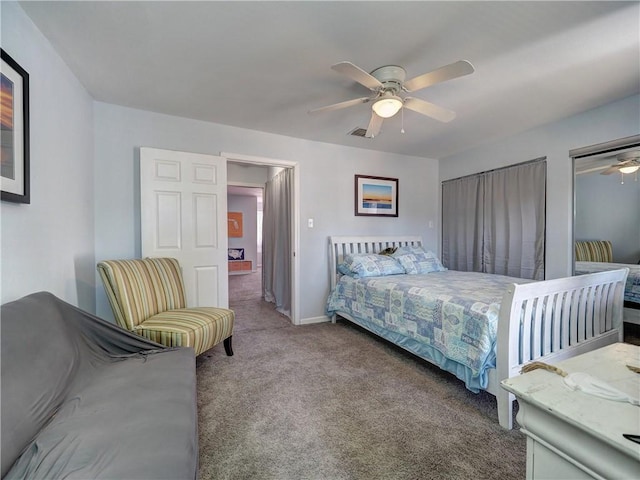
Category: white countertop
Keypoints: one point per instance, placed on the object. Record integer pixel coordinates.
(599, 417)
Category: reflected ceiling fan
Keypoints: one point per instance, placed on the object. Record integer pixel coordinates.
(389, 86)
(628, 162)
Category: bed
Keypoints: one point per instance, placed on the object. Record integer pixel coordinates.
(481, 328)
(597, 256)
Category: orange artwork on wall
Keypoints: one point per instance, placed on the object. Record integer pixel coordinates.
(234, 220)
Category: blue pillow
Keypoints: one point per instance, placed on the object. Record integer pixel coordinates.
(417, 260)
(360, 265)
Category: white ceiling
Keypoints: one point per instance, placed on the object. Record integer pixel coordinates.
(263, 65)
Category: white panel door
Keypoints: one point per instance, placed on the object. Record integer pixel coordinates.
(183, 202)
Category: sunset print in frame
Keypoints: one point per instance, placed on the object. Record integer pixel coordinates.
(14, 131)
(376, 196)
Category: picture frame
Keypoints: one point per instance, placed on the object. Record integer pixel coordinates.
(235, 254)
(376, 196)
(14, 131)
(234, 222)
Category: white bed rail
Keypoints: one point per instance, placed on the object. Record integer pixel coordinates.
(555, 319)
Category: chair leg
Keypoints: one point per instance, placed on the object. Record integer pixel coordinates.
(227, 347)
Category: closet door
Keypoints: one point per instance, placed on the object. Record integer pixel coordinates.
(514, 211)
(462, 223)
(495, 222)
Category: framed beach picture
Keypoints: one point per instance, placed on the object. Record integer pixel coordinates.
(14, 131)
(376, 196)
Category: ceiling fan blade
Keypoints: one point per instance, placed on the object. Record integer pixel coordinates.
(629, 156)
(429, 109)
(610, 170)
(357, 74)
(374, 125)
(629, 163)
(338, 106)
(442, 74)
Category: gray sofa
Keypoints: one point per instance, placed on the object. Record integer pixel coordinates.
(82, 398)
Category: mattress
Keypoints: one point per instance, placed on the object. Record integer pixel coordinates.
(449, 318)
(632, 287)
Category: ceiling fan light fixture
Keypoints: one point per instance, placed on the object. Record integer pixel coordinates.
(630, 169)
(387, 106)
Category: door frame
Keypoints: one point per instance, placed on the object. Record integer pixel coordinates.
(295, 224)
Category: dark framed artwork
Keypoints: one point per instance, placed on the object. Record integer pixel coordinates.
(235, 254)
(376, 196)
(14, 131)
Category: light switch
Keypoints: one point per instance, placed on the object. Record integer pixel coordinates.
(430, 223)
(310, 223)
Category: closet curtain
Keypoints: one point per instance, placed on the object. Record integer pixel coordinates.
(276, 241)
(462, 223)
(494, 222)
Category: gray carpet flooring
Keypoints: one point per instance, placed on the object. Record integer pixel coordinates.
(330, 401)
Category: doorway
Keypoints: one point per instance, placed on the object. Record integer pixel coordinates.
(268, 166)
(244, 202)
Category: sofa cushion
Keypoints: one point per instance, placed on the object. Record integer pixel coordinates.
(39, 360)
(132, 419)
(199, 328)
(83, 398)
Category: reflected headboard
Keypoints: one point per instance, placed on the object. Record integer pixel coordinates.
(594, 251)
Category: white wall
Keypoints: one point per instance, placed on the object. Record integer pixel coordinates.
(245, 173)
(616, 120)
(49, 244)
(326, 187)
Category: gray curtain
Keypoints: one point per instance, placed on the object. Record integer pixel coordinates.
(494, 222)
(462, 223)
(276, 241)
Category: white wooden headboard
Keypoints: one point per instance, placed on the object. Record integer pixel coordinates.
(340, 246)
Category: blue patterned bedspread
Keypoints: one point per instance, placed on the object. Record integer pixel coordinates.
(632, 287)
(449, 318)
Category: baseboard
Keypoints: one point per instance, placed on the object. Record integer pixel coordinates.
(311, 320)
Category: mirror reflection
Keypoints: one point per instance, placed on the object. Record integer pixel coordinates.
(607, 201)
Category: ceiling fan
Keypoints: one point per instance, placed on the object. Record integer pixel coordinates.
(628, 162)
(389, 86)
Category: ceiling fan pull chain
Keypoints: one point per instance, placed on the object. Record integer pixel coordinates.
(402, 120)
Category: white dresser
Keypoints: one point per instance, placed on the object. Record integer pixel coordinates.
(574, 435)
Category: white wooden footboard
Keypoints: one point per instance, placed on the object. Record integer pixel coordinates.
(553, 320)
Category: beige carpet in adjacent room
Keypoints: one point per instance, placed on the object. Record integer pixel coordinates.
(330, 401)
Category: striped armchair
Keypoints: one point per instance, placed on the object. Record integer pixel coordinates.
(147, 297)
(594, 251)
